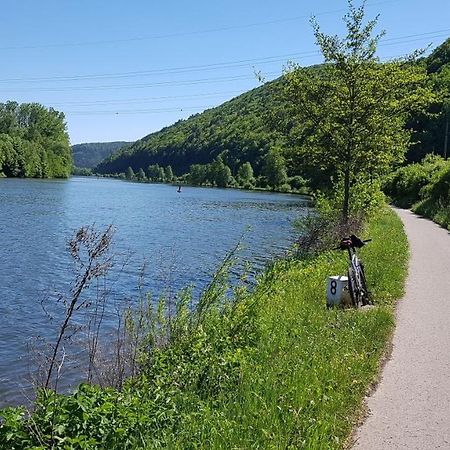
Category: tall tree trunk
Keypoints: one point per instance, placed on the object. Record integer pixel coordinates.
(446, 136)
(346, 203)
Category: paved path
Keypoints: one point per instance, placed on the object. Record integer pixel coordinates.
(410, 408)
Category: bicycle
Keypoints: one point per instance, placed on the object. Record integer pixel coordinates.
(357, 283)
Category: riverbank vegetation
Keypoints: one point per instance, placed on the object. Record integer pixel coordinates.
(268, 368)
(33, 142)
(273, 176)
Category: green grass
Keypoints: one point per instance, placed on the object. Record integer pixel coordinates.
(273, 369)
(303, 386)
(432, 209)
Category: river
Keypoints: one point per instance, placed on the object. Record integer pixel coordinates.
(182, 237)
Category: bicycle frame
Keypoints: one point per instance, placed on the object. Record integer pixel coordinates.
(359, 288)
(357, 284)
(355, 263)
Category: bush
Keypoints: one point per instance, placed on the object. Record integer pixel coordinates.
(405, 186)
(323, 229)
(298, 183)
(424, 187)
(436, 203)
(284, 188)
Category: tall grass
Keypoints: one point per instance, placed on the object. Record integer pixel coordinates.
(270, 369)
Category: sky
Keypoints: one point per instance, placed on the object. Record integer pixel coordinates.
(121, 70)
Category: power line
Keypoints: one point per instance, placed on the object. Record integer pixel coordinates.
(147, 99)
(213, 66)
(413, 40)
(216, 66)
(187, 33)
(139, 111)
(143, 85)
(271, 59)
(172, 82)
(415, 35)
(137, 100)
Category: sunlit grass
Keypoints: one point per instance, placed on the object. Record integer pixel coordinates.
(304, 383)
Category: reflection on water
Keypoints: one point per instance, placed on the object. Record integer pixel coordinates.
(181, 236)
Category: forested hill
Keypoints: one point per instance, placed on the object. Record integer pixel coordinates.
(430, 129)
(239, 130)
(439, 58)
(88, 155)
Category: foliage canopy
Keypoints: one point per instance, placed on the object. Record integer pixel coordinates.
(348, 118)
(33, 141)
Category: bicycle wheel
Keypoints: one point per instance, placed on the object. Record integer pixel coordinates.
(365, 297)
(353, 287)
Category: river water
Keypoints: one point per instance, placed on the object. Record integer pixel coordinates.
(182, 237)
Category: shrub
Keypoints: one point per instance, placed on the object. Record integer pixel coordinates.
(436, 203)
(285, 188)
(405, 186)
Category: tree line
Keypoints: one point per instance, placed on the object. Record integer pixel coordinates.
(33, 141)
(273, 175)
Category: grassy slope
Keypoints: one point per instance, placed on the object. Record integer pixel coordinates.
(434, 211)
(304, 385)
(274, 370)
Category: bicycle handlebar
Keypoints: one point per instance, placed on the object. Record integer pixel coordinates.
(351, 242)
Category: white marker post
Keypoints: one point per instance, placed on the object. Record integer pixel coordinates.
(337, 291)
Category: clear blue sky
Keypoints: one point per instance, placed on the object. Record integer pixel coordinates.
(120, 70)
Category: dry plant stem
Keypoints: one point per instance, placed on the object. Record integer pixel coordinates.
(94, 326)
(91, 246)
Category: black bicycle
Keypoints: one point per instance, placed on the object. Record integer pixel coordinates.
(357, 284)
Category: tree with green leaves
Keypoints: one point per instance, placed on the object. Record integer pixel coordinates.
(245, 176)
(141, 175)
(275, 168)
(168, 173)
(220, 173)
(129, 174)
(153, 172)
(33, 141)
(348, 118)
(161, 175)
(442, 85)
(197, 174)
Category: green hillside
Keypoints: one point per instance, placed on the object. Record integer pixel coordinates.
(237, 129)
(90, 154)
(240, 131)
(430, 129)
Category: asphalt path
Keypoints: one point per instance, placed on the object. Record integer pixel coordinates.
(410, 409)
